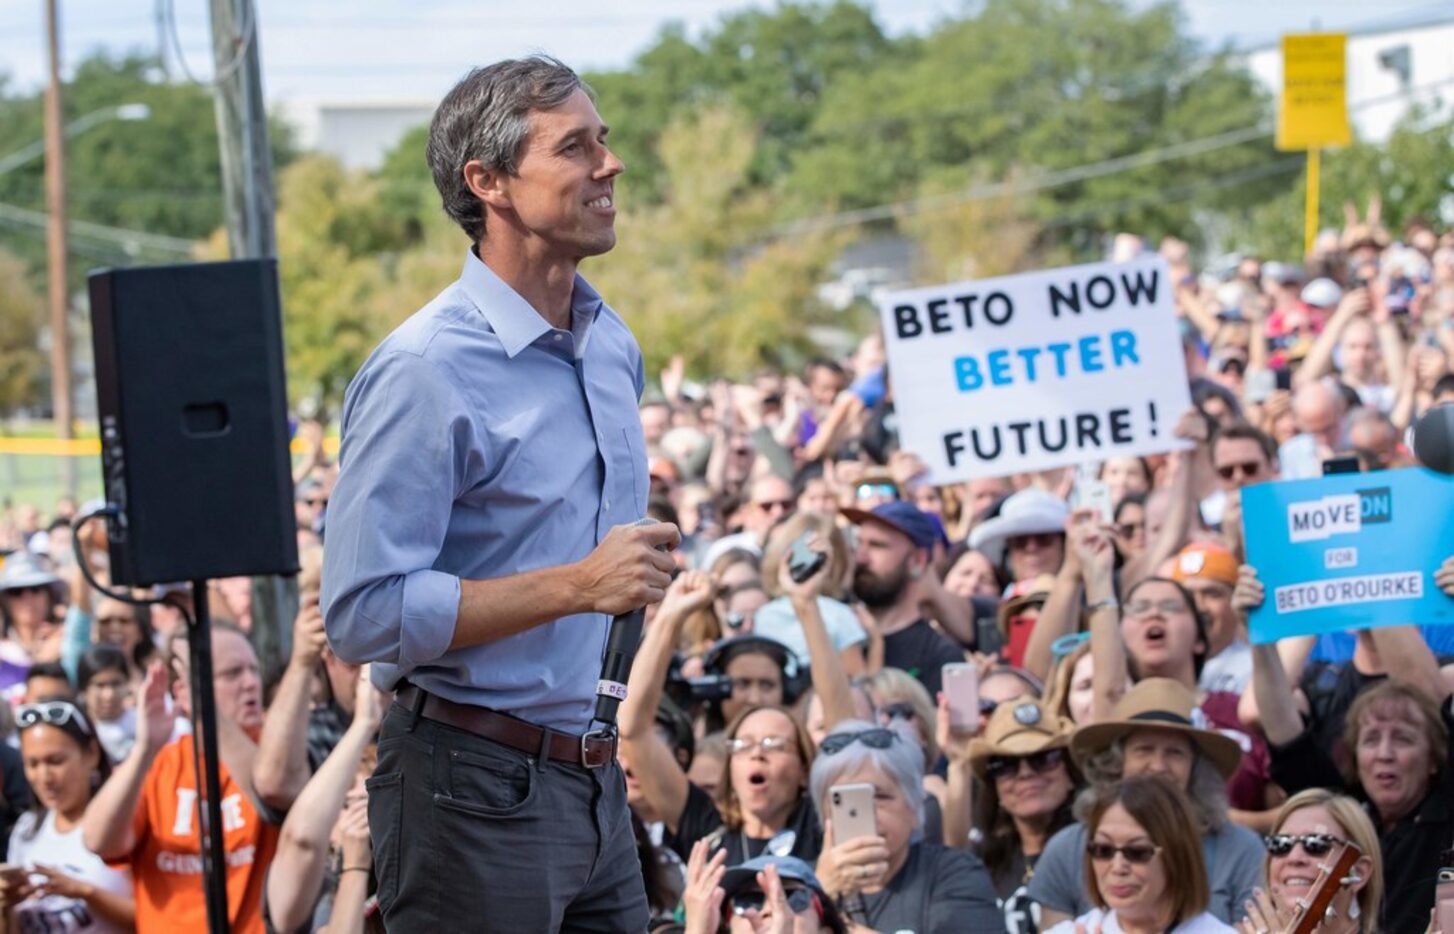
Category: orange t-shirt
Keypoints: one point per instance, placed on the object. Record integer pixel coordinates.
(166, 865)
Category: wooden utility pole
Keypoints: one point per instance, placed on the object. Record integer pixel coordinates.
(59, 291)
(242, 130)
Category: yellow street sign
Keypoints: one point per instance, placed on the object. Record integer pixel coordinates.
(1313, 111)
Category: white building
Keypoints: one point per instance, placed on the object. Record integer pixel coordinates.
(356, 133)
(1390, 69)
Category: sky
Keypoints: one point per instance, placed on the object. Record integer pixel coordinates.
(413, 50)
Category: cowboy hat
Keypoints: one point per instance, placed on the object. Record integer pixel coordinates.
(1032, 511)
(1018, 728)
(1160, 704)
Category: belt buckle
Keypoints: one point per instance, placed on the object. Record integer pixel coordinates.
(604, 733)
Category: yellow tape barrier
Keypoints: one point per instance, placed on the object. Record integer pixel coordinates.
(91, 447)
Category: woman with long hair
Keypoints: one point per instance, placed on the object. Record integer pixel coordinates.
(64, 764)
(1023, 787)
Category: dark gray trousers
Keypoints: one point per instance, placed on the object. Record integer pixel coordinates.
(471, 835)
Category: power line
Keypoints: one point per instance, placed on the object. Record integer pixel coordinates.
(119, 235)
(1060, 178)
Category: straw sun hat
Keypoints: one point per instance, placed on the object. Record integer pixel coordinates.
(1162, 704)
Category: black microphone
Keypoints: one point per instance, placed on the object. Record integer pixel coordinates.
(621, 644)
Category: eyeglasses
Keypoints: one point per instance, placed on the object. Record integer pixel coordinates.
(874, 739)
(1167, 607)
(800, 899)
(896, 711)
(1039, 763)
(1039, 539)
(1137, 854)
(1249, 469)
(55, 713)
(1314, 844)
(767, 744)
(775, 505)
(874, 490)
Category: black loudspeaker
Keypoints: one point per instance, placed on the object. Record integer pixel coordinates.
(194, 423)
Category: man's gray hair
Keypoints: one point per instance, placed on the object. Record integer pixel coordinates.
(1207, 790)
(902, 762)
(486, 116)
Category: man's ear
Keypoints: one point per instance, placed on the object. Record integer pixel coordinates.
(492, 186)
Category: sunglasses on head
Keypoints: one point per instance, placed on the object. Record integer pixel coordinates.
(800, 899)
(1314, 844)
(1137, 854)
(1250, 469)
(874, 739)
(1039, 762)
(54, 713)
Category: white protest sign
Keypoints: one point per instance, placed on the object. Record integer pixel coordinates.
(1041, 370)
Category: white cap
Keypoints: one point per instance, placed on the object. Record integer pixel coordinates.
(1322, 293)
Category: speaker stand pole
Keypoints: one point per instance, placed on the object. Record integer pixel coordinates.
(204, 732)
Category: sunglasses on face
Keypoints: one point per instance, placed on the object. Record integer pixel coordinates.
(874, 739)
(896, 711)
(1137, 854)
(1313, 844)
(55, 713)
(1251, 469)
(1040, 539)
(1039, 763)
(800, 899)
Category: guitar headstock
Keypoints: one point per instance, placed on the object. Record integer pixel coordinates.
(1332, 875)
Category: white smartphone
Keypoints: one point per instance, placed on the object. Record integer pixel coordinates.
(961, 690)
(1095, 495)
(851, 807)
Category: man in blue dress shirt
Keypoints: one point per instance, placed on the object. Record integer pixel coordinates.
(480, 535)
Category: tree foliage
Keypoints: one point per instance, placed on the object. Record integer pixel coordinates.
(686, 273)
(21, 312)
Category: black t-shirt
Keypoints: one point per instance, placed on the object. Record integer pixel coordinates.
(700, 820)
(1330, 688)
(921, 650)
(939, 890)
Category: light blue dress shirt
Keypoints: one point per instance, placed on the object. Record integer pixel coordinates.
(480, 442)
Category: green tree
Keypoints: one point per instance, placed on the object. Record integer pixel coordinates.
(774, 66)
(1413, 173)
(20, 316)
(685, 272)
(1042, 85)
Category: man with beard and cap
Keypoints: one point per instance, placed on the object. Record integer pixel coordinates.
(893, 575)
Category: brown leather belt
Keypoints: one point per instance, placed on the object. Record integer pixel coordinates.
(591, 750)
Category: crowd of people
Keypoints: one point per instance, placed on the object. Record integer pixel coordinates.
(1123, 759)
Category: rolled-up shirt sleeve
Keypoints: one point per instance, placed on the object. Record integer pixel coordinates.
(408, 442)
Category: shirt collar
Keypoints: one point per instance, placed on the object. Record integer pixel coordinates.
(514, 320)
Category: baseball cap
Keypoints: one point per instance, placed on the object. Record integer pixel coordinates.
(1205, 561)
(905, 518)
